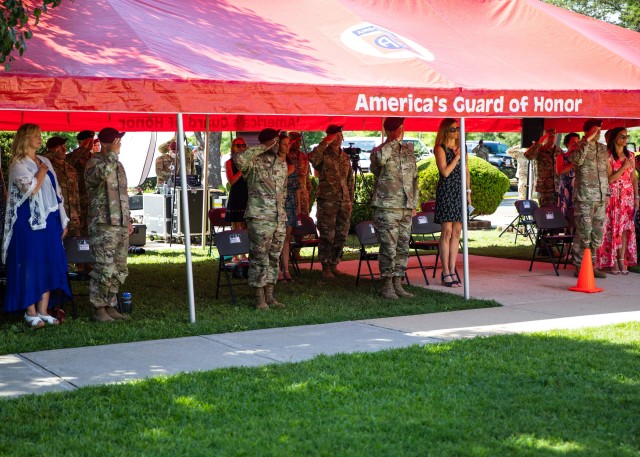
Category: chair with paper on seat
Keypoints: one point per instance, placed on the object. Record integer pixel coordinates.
(552, 237)
(524, 223)
(305, 235)
(423, 238)
(78, 251)
(231, 243)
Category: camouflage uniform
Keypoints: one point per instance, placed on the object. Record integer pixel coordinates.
(482, 152)
(266, 176)
(109, 226)
(336, 188)
(395, 197)
(522, 171)
(590, 195)
(68, 181)
(78, 159)
(164, 165)
(546, 183)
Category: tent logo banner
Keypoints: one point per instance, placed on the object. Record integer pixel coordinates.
(372, 40)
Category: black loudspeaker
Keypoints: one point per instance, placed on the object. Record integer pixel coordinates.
(194, 200)
(532, 130)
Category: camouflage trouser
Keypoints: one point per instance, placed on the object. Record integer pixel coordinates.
(109, 246)
(334, 219)
(266, 239)
(547, 199)
(589, 220)
(394, 230)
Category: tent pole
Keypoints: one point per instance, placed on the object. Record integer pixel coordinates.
(205, 186)
(185, 219)
(463, 172)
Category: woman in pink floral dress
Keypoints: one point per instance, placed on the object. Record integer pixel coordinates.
(618, 249)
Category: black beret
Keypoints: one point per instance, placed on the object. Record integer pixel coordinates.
(55, 141)
(108, 135)
(391, 124)
(85, 134)
(590, 123)
(333, 129)
(267, 135)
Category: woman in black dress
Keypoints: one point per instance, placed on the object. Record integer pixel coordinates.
(448, 197)
(238, 193)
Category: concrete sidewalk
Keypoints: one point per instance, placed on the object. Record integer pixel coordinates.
(532, 301)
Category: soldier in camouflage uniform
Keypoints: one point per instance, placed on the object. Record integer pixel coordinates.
(544, 152)
(110, 226)
(78, 159)
(68, 181)
(522, 171)
(336, 188)
(590, 194)
(481, 151)
(265, 171)
(395, 197)
(167, 161)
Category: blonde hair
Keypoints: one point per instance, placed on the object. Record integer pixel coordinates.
(443, 131)
(19, 147)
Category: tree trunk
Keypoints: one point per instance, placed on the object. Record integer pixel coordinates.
(215, 167)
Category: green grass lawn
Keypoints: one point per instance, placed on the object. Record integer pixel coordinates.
(157, 282)
(560, 393)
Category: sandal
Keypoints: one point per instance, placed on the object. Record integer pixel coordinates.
(33, 321)
(444, 282)
(48, 319)
(623, 270)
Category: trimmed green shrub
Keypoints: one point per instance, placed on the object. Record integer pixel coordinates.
(488, 184)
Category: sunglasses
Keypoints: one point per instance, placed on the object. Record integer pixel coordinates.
(623, 137)
(240, 145)
(454, 129)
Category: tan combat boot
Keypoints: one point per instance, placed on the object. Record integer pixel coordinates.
(260, 301)
(271, 301)
(114, 314)
(387, 289)
(327, 273)
(100, 315)
(397, 287)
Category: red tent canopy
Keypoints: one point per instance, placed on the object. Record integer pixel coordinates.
(304, 64)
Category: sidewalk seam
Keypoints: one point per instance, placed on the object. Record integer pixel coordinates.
(27, 359)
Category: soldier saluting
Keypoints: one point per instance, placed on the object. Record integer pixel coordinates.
(265, 170)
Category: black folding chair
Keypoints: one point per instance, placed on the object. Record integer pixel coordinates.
(305, 235)
(368, 238)
(423, 238)
(231, 243)
(216, 219)
(78, 251)
(552, 235)
(523, 224)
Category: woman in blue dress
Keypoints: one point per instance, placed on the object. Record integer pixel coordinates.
(35, 223)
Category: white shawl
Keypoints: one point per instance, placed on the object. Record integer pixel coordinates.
(22, 182)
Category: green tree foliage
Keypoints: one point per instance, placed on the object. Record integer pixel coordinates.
(15, 29)
(619, 12)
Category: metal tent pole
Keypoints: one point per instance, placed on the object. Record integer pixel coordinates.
(205, 186)
(185, 219)
(463, 171)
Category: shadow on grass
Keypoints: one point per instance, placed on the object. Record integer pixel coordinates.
(160, 307)
(560, 393)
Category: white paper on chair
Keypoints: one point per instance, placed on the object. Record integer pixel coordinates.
(373, 229)
(423, 220)
(526, 204)
(234, 239)
(83, 246)
(549, 216)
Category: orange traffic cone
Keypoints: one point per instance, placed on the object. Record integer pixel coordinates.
(586, 280)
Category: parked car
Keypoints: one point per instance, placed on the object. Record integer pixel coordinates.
(419, 148)
(498, 156)
(366, 145)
